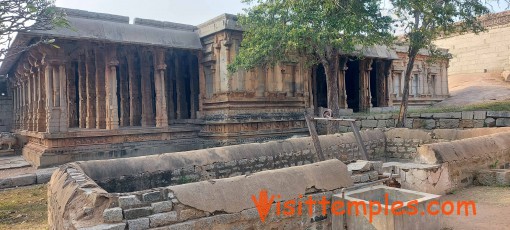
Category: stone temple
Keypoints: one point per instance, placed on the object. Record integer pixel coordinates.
(108, 89)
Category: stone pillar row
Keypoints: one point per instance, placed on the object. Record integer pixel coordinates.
(42, 103)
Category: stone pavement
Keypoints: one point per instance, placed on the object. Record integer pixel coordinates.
(16, 172)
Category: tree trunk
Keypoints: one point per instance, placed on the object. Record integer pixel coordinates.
(402, 116)
(331, 67)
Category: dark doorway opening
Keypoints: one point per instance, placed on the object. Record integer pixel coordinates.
(352, 85)
(321, 87)
(373, 85)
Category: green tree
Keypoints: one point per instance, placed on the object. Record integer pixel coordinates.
(25, 15)
(423, 21)
(316, 31)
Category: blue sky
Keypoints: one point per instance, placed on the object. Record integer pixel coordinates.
(191, 12)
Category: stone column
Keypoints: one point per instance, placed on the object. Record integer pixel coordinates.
(123, 83)
(52, 124)
(25, 104)
(365, 95)
(148, 118)
(15, 97)
(342, 99)
(64, 118)
(179, 88)
(201, 81)
(30, 92)
(112, 107)
(100, 88)
(193, 86)
(160, 88)
(72, 107)
(135, 109)
(41, 117)
(82, 92)
(35, 104)
(171, 76)
(90, 69)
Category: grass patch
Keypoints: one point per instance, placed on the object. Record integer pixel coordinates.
(24, 208)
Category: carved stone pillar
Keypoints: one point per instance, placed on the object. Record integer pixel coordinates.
(52, 124)
(201, 82)
(193, 86)
(82, 92)
(30, 102)
(342, 99)
(365, 96)
(25, 104)
(91, 90)
(35, 103)
(160, 88)
(135, 109)
(112, 107)
(41, 108)
(100, 88)
(63, 118)
(148, 118)
(179, 88)
(123, 83)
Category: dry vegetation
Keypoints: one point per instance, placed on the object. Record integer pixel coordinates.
(23, 208)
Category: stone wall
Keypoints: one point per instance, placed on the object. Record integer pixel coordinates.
(429, 121)
(134, 174)
(75, 201)
(402, 143)
(486, 52)
(456, 162)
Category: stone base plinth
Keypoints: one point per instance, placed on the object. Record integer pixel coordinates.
(7, 152)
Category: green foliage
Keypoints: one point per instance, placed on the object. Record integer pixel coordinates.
(309, 30)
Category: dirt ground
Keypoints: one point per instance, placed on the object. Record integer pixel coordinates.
(475, 89)
(492, 209)
(24, 208)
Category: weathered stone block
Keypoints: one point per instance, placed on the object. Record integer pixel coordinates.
(467, 115)
(480, 115)
(188, 214)
(381, 124)
(137, 213)
(478, 123)
(383, 116)
(448, 115)
(129, 201)
(426, 115)
(164, 206)
(503, 122)
(151, 196)
(119, 226)
(138, 224)
(466, 124)
(497, 114)
(490, 122)
(162, 219)
(112, 215)
(16, 181)
(369, 123)
(449, 123)
(359, 166)
(409, 123)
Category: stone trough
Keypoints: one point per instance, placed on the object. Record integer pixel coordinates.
(385, 197)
